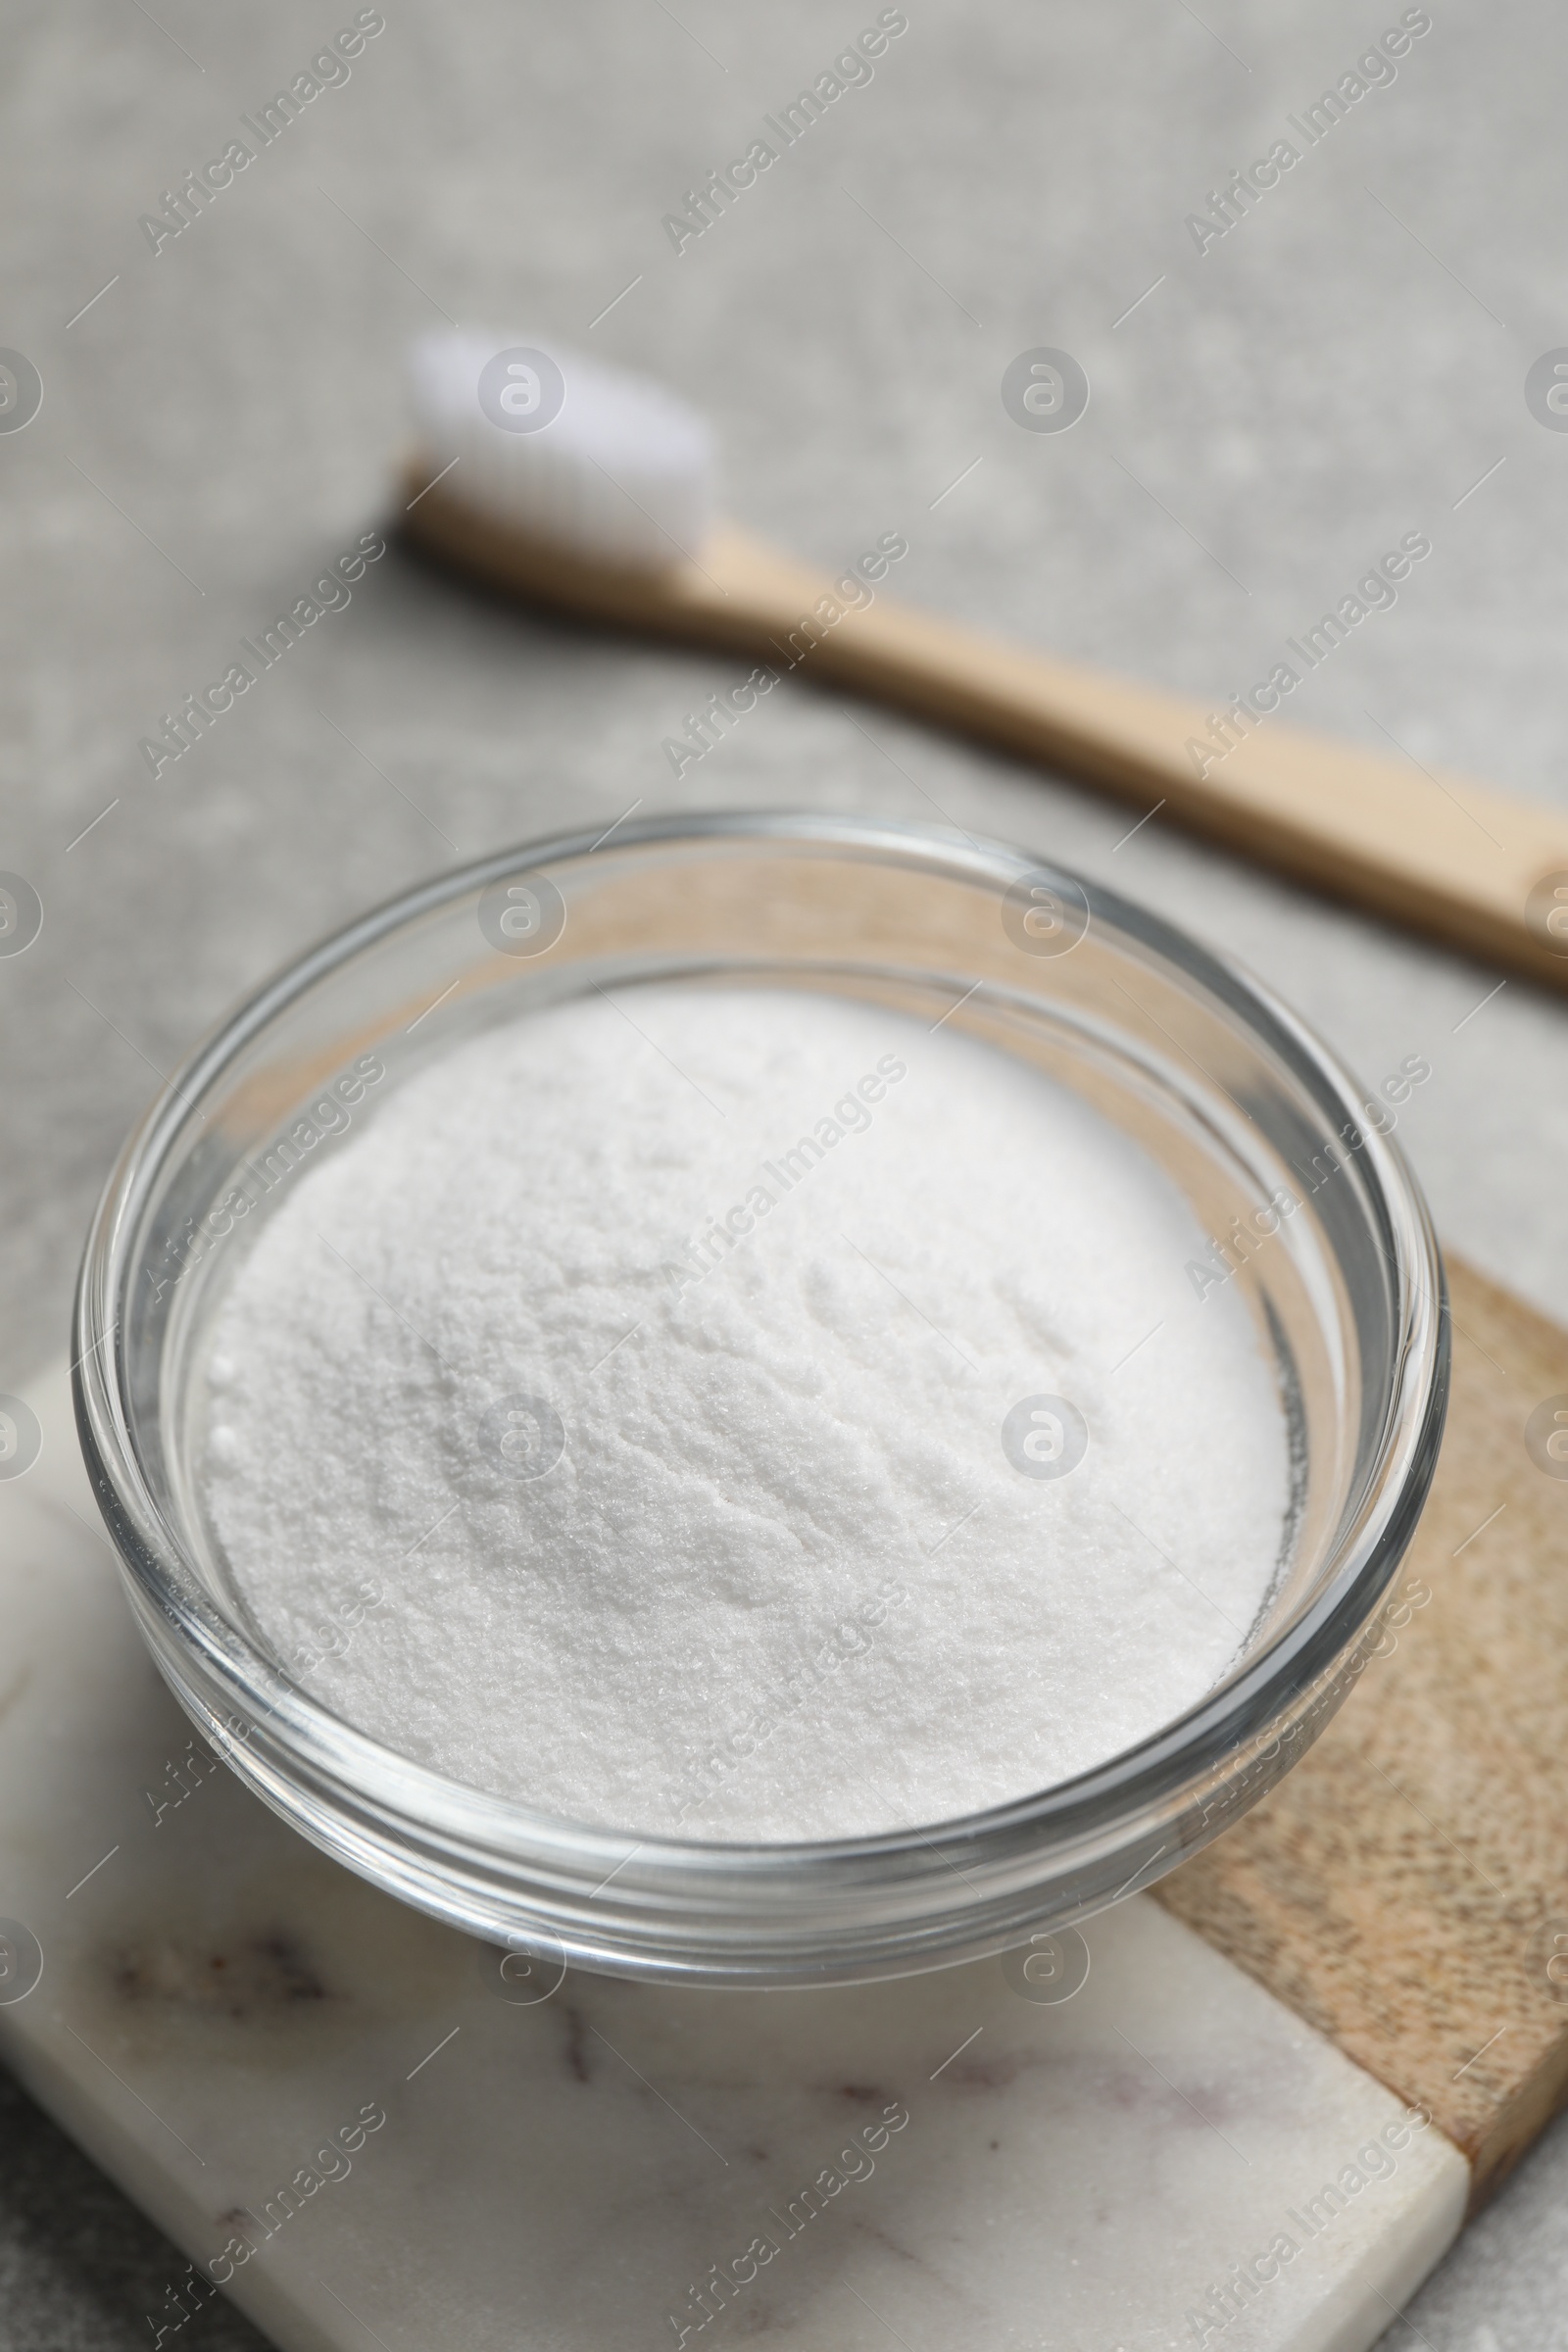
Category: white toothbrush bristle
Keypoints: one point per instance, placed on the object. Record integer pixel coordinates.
(609, 466)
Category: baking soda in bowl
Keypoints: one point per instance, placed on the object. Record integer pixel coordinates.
(743, 1415)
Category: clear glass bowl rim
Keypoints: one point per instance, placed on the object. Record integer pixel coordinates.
(394, 1794)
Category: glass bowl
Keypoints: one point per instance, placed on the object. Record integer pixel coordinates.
(1319, 1222)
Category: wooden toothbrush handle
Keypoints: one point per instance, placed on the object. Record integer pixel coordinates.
(1476, 868)
(1482, 870)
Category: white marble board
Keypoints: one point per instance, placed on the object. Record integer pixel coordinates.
(326, 2100)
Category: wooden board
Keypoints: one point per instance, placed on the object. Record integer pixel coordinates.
(1406, 1889)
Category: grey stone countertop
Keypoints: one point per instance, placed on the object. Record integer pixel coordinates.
(1344, 366)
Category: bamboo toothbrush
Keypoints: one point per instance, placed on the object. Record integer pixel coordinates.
(577, 487)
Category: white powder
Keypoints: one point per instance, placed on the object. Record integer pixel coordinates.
(784, 1578)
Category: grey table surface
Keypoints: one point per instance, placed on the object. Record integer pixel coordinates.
(1345, 366)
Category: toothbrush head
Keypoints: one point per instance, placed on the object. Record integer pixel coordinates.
(534, 439)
